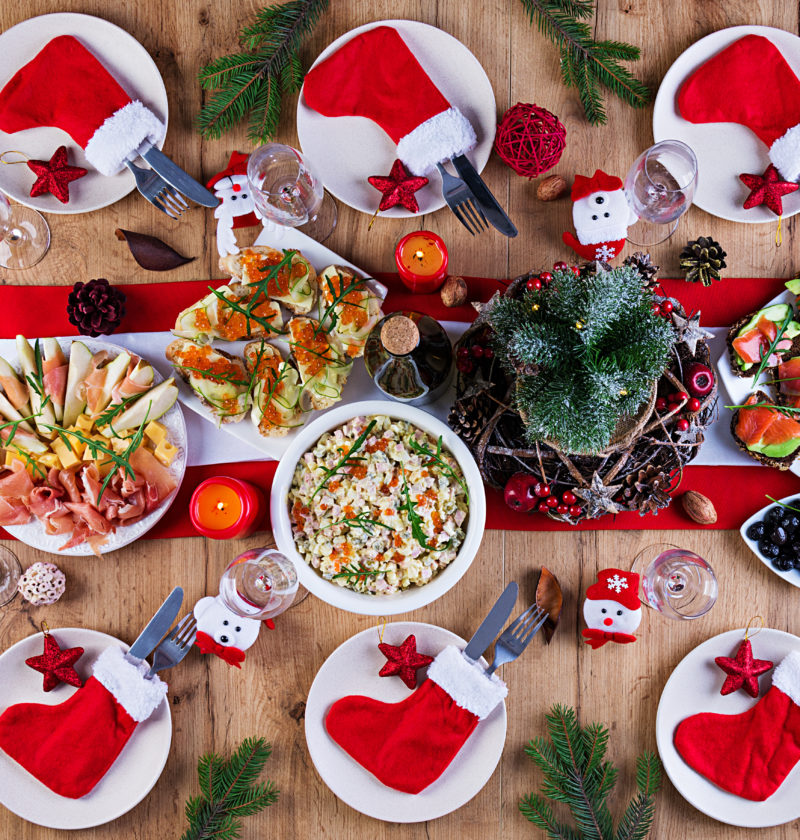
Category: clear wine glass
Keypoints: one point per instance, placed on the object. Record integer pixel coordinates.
(260, 584)
(24, 235)
(286, 191)
(10, 573)
(676, 582)
(660, 188)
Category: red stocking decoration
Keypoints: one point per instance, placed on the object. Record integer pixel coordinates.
(408, 745)
(752, 753)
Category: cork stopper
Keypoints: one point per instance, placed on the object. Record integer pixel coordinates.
(399, 335)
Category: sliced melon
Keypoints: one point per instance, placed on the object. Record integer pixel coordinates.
(14, 388)
(150, 406)
(80, 362)
(43, 414)
(54, 358)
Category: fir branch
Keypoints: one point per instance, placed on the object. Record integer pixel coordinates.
(229, 792)
(254, 81)
(586, 64)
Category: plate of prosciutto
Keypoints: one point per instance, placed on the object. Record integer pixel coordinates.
(93, 444)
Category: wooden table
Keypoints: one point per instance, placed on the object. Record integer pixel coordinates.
(214, 706)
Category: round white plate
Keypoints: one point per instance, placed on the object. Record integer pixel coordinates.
(33, 533)
(415, 596)
(694, 687)
(127, 61)
(131, 776)
(793, 575)
(724, 150)
(345, 151)
(353, 669)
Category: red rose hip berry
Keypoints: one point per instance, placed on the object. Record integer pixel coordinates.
(575, 510)
(568, 497)
(541, 489)
(693, 404)
(551, 501)
(666, 307)
(563, 509)
(546, 277)
(661, 404)
(560, 266)
(682, 425)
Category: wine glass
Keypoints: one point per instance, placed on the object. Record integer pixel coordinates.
(660, 188)
(676, 582)
(10, 572)
(260, 584)
(24, 235)
(286, 191)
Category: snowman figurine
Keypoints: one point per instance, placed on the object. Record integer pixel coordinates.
(236, 208)
(222, 632)
(612, 610)
(601, 215)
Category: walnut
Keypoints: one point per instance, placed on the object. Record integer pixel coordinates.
(454, 291)
(551, 188)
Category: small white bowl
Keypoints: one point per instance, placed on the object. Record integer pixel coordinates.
(793, 575)
(415, 596)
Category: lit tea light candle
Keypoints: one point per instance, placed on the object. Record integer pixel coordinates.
(225, 508)
(421, 259)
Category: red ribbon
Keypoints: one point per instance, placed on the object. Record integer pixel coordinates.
(597, 638)
(231, 655)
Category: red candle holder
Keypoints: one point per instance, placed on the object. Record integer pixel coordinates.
(224, 508)
(421, 259)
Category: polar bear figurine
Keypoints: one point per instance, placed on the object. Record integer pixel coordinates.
(222, 632)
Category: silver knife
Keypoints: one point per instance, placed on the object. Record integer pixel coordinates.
(176, 177)
(158, 625)
(488, 203)
(493, 623)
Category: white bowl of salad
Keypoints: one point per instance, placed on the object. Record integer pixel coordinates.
(381, 507)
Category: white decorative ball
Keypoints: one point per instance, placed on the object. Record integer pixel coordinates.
(42, 584)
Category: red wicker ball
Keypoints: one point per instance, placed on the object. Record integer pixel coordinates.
(530, 139)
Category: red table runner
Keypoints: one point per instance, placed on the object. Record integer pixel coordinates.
(736, 491)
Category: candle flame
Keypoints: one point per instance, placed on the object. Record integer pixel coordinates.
(220, 505)
(419, 254)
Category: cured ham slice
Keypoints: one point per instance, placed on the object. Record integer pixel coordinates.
(13, 511)
(16, 483)
(55, 368)
(147, 467)
(137, 380)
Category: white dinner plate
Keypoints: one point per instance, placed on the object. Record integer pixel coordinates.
(793, 575)
(33, 533)
(724, 150)
(353, 669)
(345, 151)
(694, 687)
(131, 776)
(130, 64)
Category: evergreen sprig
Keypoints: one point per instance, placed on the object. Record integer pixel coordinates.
(585, 351)
(586, 64)
(577, 774)
(229, 792)
(253, 82)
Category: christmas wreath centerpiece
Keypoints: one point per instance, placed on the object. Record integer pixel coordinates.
(583, 391)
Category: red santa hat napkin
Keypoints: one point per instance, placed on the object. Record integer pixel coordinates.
(751, 84)
(375, 75)
(65, 86)
(616, 585)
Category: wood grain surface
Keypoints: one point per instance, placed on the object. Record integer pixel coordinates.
(214, 706)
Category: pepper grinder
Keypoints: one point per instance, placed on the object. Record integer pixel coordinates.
(409, 357)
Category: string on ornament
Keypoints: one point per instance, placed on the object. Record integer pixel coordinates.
(530, 139)
(749, 624)
(24, 157)
(381, 628)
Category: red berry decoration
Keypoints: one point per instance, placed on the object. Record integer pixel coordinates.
(398, 187)
(543, 507)
(404, 661)
(56, 664)
(563, 509)
(541, 489)
(661, 404)
(534, 284)
(546, 277)
(551, 501)
(693, 404)
(568, 497)
(462, 352)
(673, 407)
(576, 270)
(743, 671)
(666, 307)
(575, 510)
(560, 266)
(530, 139)
(699, 380)
(519, 493)
(477, 351)
(54, 175)
(465, 365)
(682, 425)
(656, 308)
(488, 353)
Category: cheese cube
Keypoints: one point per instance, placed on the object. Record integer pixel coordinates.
(155, 431)
(84, 423)
(13, 457)
(48, 460)
(119, 444)
(104, 465)
(165, 452)
(68, 459)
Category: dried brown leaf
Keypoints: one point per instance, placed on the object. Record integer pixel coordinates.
(549, 597)
(150, 252)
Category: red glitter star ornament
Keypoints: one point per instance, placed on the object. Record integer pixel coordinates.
(56, 664)
(743, 671)
(403, 661)
(767, 189)
(398, 188)
(54, 175)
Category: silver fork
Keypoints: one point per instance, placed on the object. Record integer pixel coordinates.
(517, 636)
(176, 645)
(157, 191)
(459, 199)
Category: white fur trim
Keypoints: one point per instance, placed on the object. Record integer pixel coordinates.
(786, 676)
(611, 233)
(785, 154)
(120, 135)
(126, 682)
(466, 682)
(438, 139)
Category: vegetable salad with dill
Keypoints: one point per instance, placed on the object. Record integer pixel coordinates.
(378, 505)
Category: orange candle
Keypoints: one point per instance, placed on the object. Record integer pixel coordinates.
(223, 508)
(421, 259)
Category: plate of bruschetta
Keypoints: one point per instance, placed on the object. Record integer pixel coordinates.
(93, 444)
(277, 343)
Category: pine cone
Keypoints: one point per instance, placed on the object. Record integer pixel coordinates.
(468, 418)
(648, 271)
(95, 308)
(646, 490)
(702, 260)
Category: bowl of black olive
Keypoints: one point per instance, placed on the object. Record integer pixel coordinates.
(773, 535)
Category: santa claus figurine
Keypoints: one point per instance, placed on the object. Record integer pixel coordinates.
(236, 208)
(601, 215)
(612, 610)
